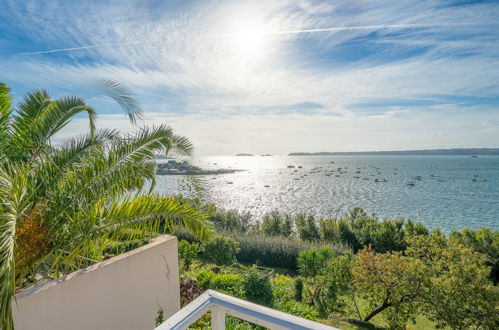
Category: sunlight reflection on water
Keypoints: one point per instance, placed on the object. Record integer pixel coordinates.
(445, 196)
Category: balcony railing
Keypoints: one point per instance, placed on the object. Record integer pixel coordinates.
(220, 305)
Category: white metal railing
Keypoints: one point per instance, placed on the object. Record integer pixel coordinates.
(220, 305)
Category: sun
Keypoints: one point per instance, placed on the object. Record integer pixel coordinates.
(249, 45)
(248, 38)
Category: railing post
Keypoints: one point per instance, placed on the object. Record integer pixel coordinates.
(217, 319)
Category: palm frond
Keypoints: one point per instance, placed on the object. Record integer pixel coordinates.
(5, 112)
(133, 218)
(12, 193)
(58, 114)
(121, 95)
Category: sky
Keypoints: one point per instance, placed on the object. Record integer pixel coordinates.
(271, 76)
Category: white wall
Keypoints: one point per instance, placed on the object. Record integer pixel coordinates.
(120, 293)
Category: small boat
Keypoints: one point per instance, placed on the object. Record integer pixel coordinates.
(332, 162)
(300, 167)
(380, 180)
(357, 172)
(477, 179)
(411, 184)
(266, 186)
(474, 156)
(230, 182)
(291, 166)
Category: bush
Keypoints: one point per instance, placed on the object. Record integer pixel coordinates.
(277, 224)
(227, 283)
(276, 251)
(204, 278)
(307, 228)
(282, 287)
(257, 287)
(221, 250)
(231, 220)
(298, 289)
(187, 252)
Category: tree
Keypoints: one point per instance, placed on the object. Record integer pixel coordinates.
(388, 280)
(276, 224)
(457, 290)
(61, 203)
(306, 228)
(483, 241)
(311, 265)
(436, 276)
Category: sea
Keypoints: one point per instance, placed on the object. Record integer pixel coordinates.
(446, 192)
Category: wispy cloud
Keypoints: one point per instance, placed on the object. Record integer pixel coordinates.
(229, 59)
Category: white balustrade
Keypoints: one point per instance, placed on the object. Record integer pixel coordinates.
(220, 305)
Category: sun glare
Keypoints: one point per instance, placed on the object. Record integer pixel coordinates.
(249, 38)
(249, 45)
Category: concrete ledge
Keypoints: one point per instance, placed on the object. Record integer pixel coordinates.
(123, 292)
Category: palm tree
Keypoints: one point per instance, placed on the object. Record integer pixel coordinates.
(81, 198)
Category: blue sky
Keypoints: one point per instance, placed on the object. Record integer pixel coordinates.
(271, 76)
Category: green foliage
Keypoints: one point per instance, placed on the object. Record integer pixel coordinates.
(228, 283)
(483, 241)
(160, 317)
(277, 224)
(276, 251)
(81, 198)
(282, 287)
(389, 282)
(436, 276)
(359, 230)
(457, 291)
(298, 289)
(257, 287)
(231, 221)
(307, 228)
(325, 277)
(225, 282)
(221, 250)
(187, 252)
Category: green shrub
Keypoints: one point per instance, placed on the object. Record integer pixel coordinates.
(221, 250)
(307, 228)
(187, 252)
(257, 287)
(277, 224)
(298, 289)
(282, 287)
(231, 220)
(312, 262)
(227, 283)
(276, 251)
(204, 278)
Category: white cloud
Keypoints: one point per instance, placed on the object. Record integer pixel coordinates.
(230, 63)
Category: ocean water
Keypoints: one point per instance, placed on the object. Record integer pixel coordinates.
(443, 196)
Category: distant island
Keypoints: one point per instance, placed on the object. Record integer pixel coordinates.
(244, 155)
(424, 152)
(172, 167)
